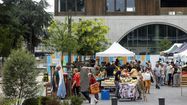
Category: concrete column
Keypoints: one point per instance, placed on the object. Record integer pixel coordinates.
(157, 37)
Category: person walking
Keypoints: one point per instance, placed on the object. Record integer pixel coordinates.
(117, 81)
(84, 82)
(176, 76)
(170, 70)
(55, 80)
(61, 93)
(92, 81)
(162, 78)
(147, 78)
(157, 74)
(76, 82)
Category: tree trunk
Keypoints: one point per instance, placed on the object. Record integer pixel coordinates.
(30, 45)
(69, 73)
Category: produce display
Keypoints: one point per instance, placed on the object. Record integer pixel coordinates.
(108, 82)
(126, 80)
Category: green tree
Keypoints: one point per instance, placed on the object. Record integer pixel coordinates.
(92, 35)
(19, 75)
(60, 38)
(10, 30)
(33, 19)
(165, 44)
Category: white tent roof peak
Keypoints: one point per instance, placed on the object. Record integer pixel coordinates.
(115, 50)
(174, 45)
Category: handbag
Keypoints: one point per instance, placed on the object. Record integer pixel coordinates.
(152, 80)
(94, 88)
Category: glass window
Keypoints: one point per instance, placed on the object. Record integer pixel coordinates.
(62, 5)
(71, 5)
(163, 32)
(80, 5)
(172, 32)
(120, 5)
(130, 6)
(173, 3)
(110, 6)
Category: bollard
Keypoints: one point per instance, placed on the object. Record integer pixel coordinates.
(114, 101)
(161, 101)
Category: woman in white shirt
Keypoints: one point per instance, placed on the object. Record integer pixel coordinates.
(147, 78)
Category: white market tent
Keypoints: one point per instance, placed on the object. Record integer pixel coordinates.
(175, 45)
(115, 50)
(181, 54)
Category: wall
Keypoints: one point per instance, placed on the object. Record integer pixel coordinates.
(122, 25)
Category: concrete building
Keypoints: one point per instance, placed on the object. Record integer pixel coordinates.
(138, 25)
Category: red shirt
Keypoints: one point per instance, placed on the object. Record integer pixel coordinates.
(92, 80)
(76, 78)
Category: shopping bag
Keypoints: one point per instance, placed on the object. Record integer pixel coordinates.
(94, 88)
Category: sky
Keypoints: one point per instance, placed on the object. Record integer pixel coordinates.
(49, 9)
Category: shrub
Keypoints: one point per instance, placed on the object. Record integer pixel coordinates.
(19, 75)
(6, 101)
(76, 100)
(65, 102)
(42, 101)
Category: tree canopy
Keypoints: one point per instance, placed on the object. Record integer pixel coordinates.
(165, 44)
(86, 36)
(91, 33)
(10, 29)
(24, 18)
(60, 38)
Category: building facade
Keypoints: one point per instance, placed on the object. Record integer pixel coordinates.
(138, 25)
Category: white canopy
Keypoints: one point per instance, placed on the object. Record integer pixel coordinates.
(172, 47)
(181, 54)
(115, 50)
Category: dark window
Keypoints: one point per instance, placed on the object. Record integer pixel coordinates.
(80, 5)
(110, 6)
(62, 5)
(173, 3)
(72, 5)
(120, 5)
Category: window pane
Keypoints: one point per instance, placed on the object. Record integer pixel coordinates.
(71, 5)
(120, 5)
(80, 5)
(110, 6)
(130, 5)
(62, 5)
(173, 3)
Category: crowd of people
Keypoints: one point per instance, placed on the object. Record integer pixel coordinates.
(164, 73)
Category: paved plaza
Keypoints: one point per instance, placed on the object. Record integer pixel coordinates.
(172, 96)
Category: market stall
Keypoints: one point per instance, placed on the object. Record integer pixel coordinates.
(128, 88)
